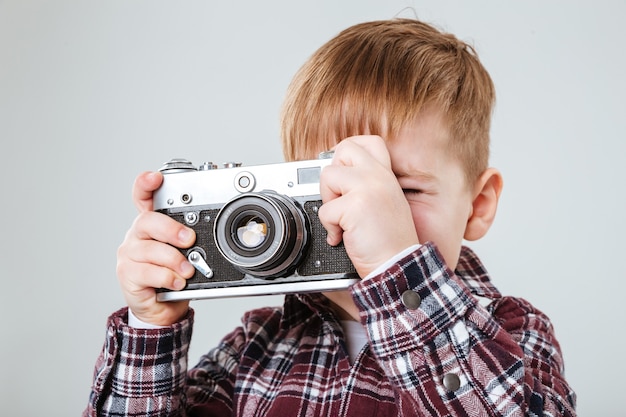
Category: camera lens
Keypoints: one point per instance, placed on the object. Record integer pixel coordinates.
(263, 234)
(252, 231)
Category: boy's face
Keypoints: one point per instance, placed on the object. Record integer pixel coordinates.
(434, 182)
(439, 197)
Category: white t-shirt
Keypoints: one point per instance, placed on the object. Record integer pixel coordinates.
(356, 337)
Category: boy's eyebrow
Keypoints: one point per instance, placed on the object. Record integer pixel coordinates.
(416, 174)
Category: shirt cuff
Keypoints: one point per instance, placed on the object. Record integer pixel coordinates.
(382, 268)
(134, 322)
(132, 357)
(410, 303)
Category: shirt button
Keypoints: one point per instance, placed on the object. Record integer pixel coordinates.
(451, 381)
(411, 300)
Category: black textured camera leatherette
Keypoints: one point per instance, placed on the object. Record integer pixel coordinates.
(332, 259)
(222, 269)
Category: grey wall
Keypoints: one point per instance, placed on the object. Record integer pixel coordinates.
(92, 93)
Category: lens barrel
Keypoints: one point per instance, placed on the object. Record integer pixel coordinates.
(263, 234)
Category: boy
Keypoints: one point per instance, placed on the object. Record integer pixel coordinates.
(407, 110)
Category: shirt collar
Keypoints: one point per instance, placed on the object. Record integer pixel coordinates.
(299, 308)
(472, 271)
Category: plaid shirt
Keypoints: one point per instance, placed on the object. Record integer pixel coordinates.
(444, 356)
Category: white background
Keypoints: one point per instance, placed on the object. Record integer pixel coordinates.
(93, 92)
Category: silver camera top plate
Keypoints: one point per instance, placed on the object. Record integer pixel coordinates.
(184, 188)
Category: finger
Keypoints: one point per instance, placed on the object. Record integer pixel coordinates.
(151, 225)
(151, 264)
(343, 210)
(329, 190)
(144, 186)
(330, 216)
(157, 253)
(338, 180)
(137, 278)
(362, 150)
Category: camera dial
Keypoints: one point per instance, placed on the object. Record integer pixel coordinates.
(177, 165)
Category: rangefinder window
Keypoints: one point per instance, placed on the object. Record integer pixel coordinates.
(309, 175)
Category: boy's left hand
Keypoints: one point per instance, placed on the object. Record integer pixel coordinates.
(364, 205)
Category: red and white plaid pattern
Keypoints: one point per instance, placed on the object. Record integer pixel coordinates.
(292, 361)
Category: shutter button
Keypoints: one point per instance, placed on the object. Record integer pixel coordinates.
(451, 381)
(411, 300)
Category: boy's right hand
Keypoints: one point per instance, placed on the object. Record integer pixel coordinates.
(148, 257)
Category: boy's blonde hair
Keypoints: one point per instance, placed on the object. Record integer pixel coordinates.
(375, 77)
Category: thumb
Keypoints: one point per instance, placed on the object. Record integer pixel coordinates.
(143, 188)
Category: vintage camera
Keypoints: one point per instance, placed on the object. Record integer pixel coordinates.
(257, 230)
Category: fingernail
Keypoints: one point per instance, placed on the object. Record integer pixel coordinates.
(185, 235)
(179, 284)
(186, 269)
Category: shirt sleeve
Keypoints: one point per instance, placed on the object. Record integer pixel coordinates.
(141, 372)
(445, 353)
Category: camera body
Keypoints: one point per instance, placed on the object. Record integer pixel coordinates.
(257, 230)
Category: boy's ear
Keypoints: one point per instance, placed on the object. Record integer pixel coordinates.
(487, 191)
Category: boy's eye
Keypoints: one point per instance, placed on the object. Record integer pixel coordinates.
(411, 192)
